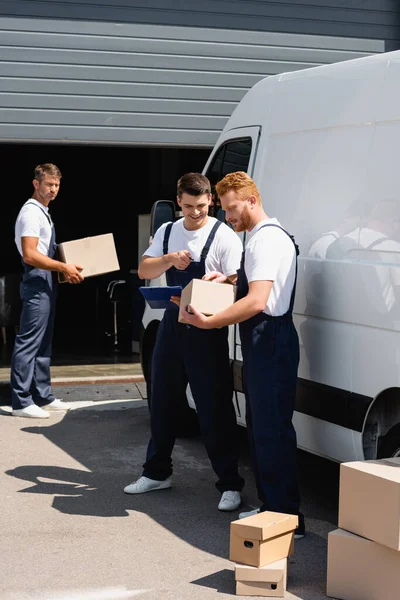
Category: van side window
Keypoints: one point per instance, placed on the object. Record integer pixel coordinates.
(231, 156)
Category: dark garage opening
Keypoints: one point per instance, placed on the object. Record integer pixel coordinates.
(103, 190)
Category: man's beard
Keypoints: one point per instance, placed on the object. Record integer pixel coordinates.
(245, 221)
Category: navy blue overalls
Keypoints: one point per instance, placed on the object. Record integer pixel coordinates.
(30, 365)
(182, 355)
(270, 349)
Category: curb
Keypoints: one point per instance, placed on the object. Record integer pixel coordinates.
(90, 380)
(97, 380)
(101, 388)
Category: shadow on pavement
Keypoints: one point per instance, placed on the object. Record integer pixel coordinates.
(110, 447)
(221, 581)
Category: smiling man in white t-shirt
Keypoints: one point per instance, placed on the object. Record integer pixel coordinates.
(190, 248)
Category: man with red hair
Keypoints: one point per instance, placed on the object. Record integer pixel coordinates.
(270, 347)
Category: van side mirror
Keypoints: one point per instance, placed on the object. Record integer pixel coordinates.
(162, 211)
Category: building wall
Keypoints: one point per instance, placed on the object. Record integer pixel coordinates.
(374, 19)
(163, 73)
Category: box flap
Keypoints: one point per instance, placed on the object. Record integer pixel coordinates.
(264, 525)
(272, 573)
(386, 468)
(341, 533)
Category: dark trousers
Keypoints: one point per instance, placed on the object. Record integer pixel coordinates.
(30, 365)
(270, 360)
(185, 355)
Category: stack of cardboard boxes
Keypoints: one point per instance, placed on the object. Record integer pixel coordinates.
(364, 553)
(261, 544)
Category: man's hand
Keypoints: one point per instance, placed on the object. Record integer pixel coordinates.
(176, 300)
(215, 276)
(180, 260)
(73, 273)
(196, 318)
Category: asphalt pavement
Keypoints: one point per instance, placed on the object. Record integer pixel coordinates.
(68, 532)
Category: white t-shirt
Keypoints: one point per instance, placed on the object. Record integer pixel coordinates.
(224, 254)
(32, 222)
(320, 246)
(270, 256)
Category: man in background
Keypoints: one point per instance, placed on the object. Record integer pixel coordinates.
(36, 242)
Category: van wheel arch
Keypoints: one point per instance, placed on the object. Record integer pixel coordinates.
(390, 444)
(381, 432)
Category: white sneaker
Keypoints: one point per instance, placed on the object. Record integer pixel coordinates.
(32, 411)
(250, 513)
(230, 501)
(145, 484)
(57, 404)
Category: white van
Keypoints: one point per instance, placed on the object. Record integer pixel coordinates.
(322, 146)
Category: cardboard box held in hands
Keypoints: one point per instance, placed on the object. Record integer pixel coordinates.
(96, 254)
(207, 297)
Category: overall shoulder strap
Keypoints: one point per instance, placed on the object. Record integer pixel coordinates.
(210, 240)
(167, 233)
(287, 233)
(290, 310)
(43, 211)
(376, 242)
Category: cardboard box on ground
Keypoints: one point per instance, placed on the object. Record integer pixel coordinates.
(270, 580)
(262, 539)
(364, 553)
(360, 569)
(97, 255)
(262, 544)
(369, 500)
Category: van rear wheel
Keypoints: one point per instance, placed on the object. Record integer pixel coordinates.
(390, 444)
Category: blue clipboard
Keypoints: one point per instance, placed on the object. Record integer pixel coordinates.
(159, 296)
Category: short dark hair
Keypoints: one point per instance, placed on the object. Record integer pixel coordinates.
(194, 184)
(47, 169)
